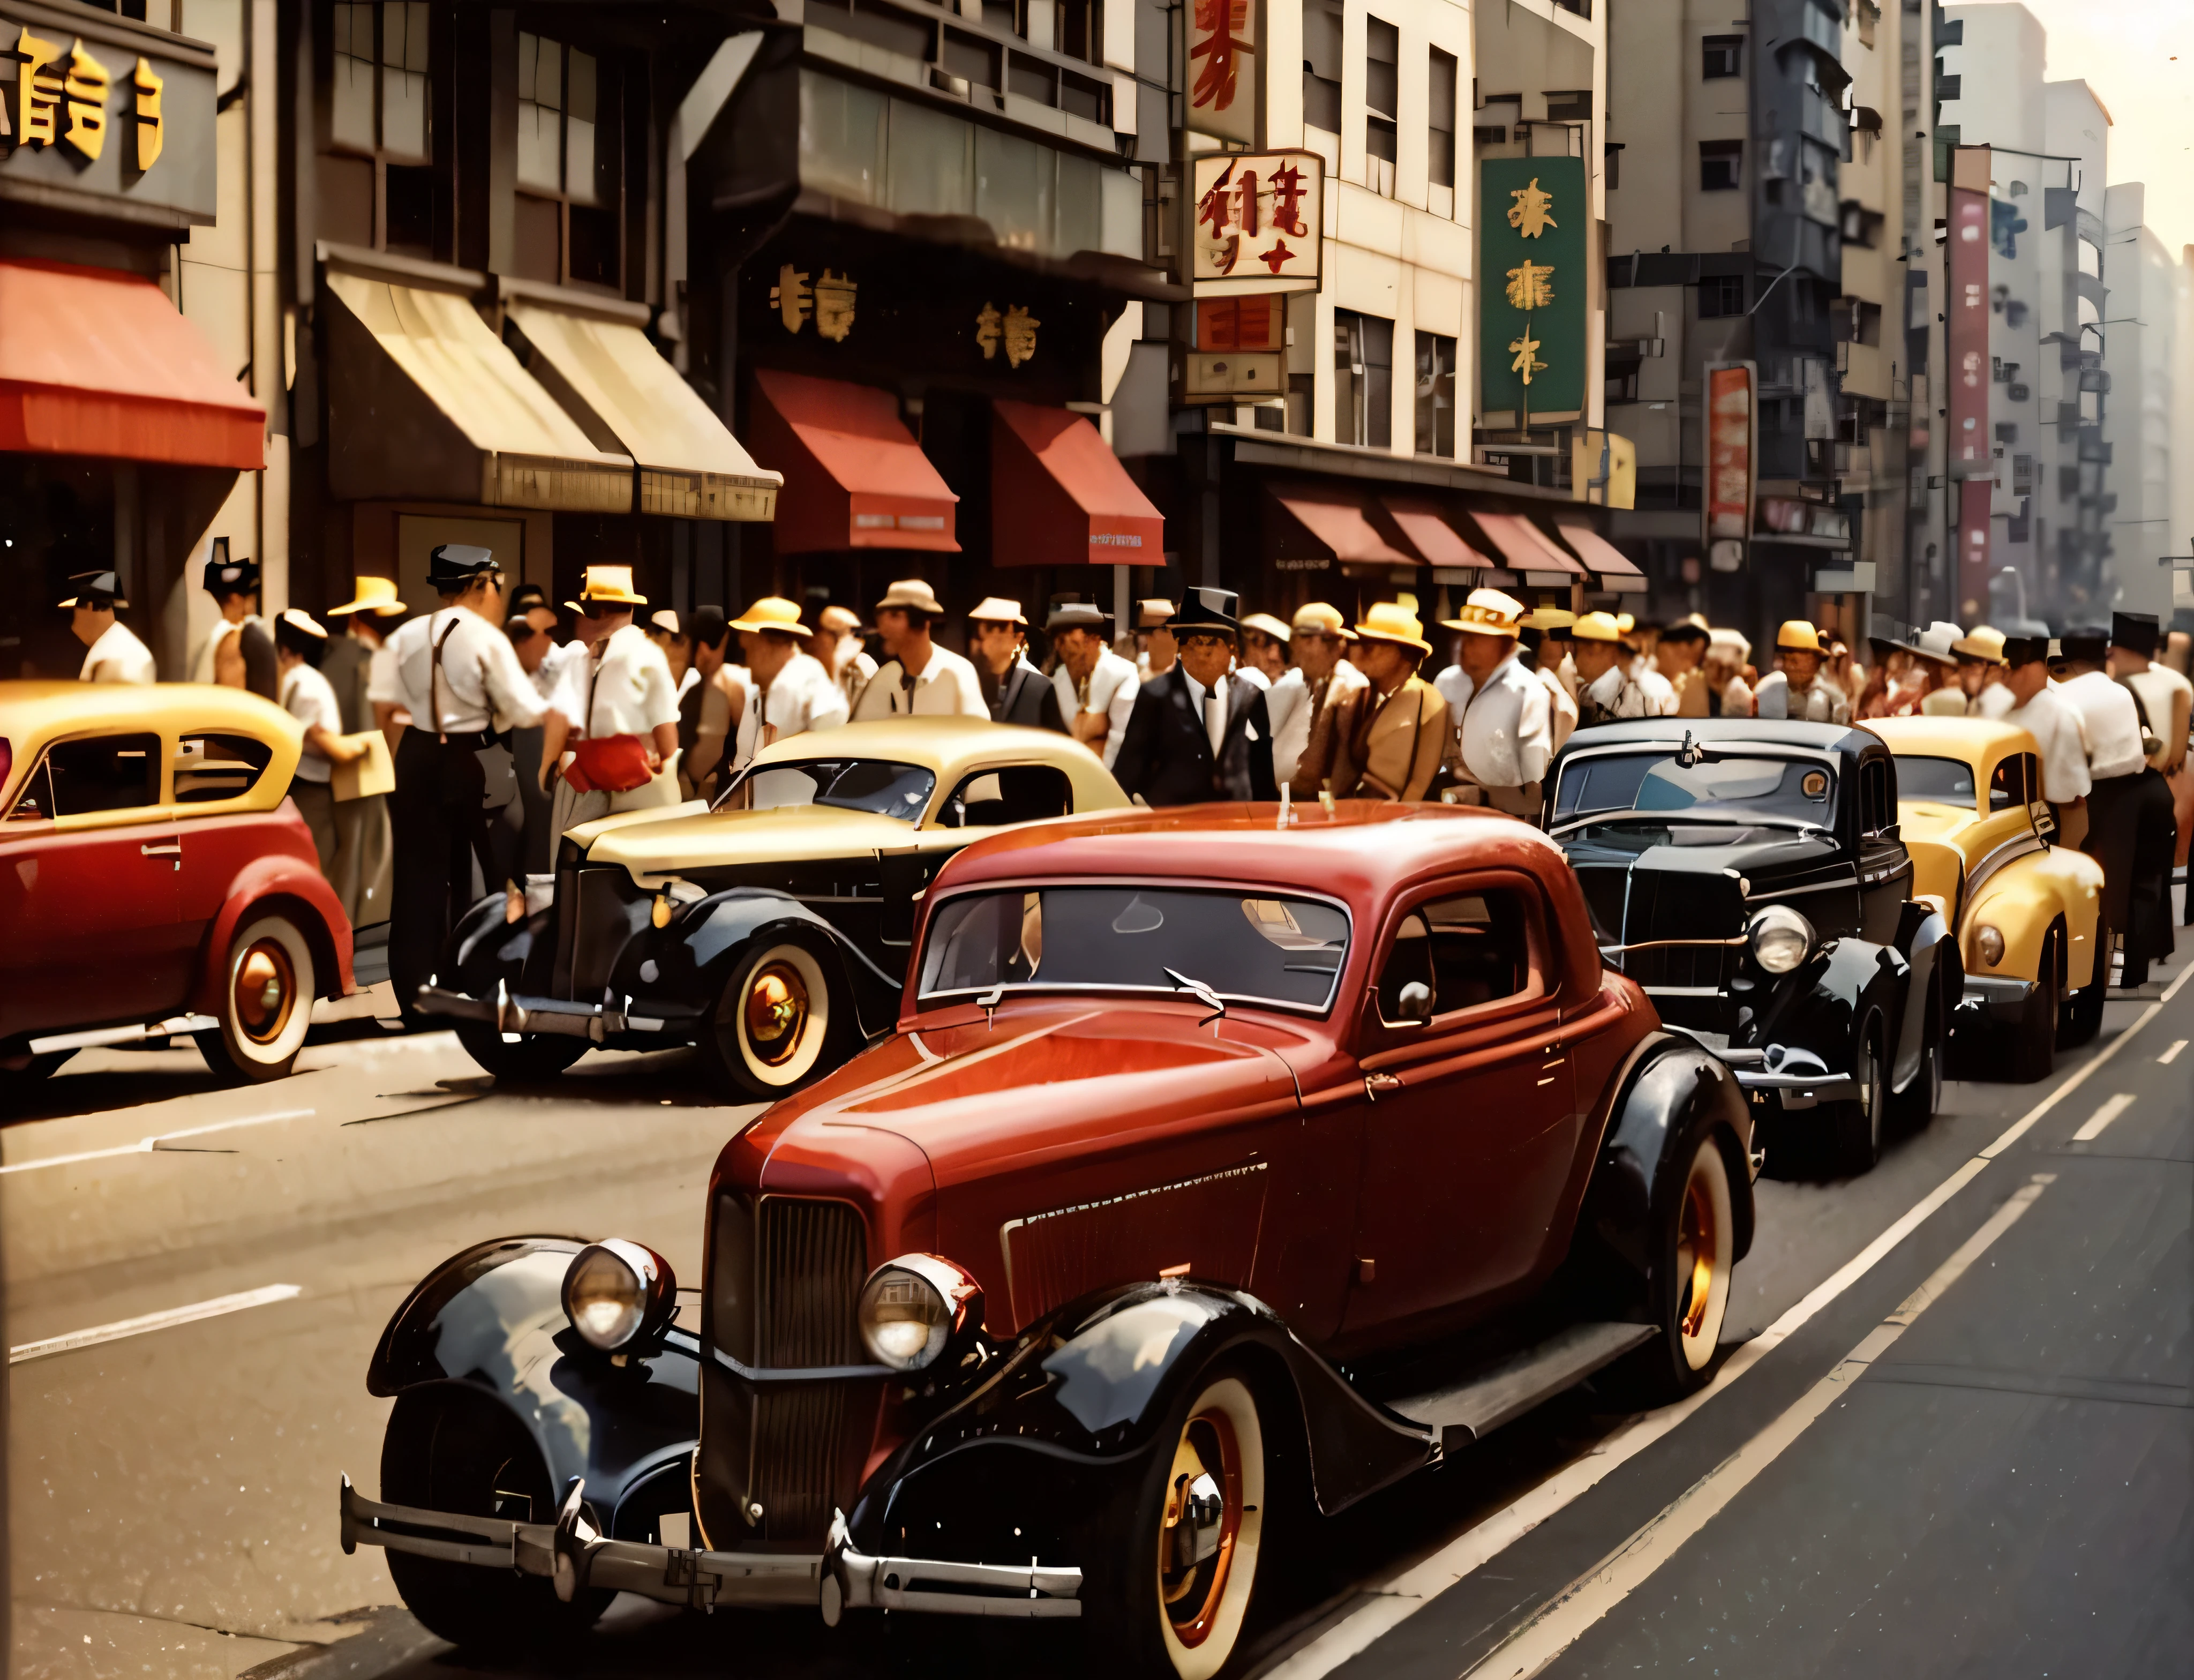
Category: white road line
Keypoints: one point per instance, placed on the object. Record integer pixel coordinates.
(138, 1327)
(158, 1141)
(1393, 1601)
(1565, 1619)
(2171, 1054)
(2103, 1116)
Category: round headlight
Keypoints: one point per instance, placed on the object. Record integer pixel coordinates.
(1781, 939)
(1988, 942)
(614, 1290)
(913, 1307)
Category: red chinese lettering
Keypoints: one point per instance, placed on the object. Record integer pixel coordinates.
(1232, 254)
(1247, 213)
(1215, 208)
(1287, 200)
(1219, 43)
(1279, 256)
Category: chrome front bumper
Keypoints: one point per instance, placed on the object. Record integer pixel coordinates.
(507, 1014)
(576, 1558)
(1797, 1079)
(1998, 998)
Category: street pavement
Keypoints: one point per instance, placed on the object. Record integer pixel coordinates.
(1951, 1432)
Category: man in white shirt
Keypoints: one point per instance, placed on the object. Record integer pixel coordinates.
(2055, 725)
(791, 693)
(1536, 640)
(1504, 732)
(1606, 694)
(709, 713)
(1800, 690)
(623, 690)
(2164, 698)
(1264, 657)
(2116, 761)
(837, 646)
(299, 645)
(1318, 641)
(1728, 653)
(114, 654)
(440, 814)
(1094, 686)
(1981, 673)
(917, 677)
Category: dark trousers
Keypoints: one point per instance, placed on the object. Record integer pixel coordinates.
(535, 847)
(437, 833)
(2148, 936)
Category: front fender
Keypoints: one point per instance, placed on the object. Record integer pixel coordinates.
(1036, 1455)
(1672, 1086)
(491, 1320)
(487, 949)
(2024, 900)
(692, 958)
(277, 880)
(1824, 1003)
(1925, 939)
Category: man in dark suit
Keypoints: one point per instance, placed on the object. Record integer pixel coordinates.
(1198, 733)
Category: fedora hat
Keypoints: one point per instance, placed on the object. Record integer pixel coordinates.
(451, 566)
(603, 586)
(1266, 625)
(1735, 641)
(1548, 619)
(1316, 618)
(1983, 643)
(772, 613)
(1390, 621)
(96, 588)
(912, 595)
(1066, 615)
(1597, 627)
(666, 620)
(225, 577)
(1488, 613)
(995, 609)
(375, 596)
(1204, 608)
(1937, 641)
(303, 622)
(1797, 635)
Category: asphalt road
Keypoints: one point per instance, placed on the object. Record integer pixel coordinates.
(1997, 1483)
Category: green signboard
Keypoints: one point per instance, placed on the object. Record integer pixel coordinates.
(1532, 285)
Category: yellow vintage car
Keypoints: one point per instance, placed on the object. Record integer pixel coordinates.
(1983, 841)
(771, 930)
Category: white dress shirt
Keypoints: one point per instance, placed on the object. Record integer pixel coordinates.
(1506, 733)
(1110, 689)
(482, 684)
(117, 656)
(555, 664)
(1291, 707)
(1820, 702)
(1660, 692)
(2157, 686)
(1994, 702)
(1210, 705)
(2110, 721)
(946, 687)
(801, 698)
(308, 697)
(2054, 723)
(1561, 707)
(1614, 693)
(1255, 677)
(628, 691)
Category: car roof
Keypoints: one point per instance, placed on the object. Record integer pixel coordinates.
(36, 710)
(950, 747)
(1759, 731)
(1976, 740)
(1360, 851)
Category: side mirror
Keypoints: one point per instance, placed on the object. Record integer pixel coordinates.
(2045, 821)
(1415, 1003)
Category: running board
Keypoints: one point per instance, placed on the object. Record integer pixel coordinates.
(173, 1026)
(1472, 1411)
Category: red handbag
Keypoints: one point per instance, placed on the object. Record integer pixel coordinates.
(608, 764)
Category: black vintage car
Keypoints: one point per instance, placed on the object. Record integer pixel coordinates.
(1749, 875)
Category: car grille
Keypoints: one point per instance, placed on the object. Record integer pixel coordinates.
(598, 911)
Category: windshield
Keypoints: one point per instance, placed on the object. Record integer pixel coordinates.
(1717, 789)
(873, 785)
(1949, 782)
(1283, 951)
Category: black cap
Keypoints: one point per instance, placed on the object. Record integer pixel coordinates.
(451, 566)
(2025, 650)
(2090, 644)
(1684, 630)
(1205, 609)
(225, 577)
(96, 588)
(2136, 632)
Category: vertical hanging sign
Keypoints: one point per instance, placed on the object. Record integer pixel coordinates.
(1972, 458)
(1732, 440)
(1533, 285)
(1225, 89)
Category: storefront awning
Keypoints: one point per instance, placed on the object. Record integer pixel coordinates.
(626, 395)
(1431, 536)
(1526, 549)
(854, 477)
(1339, 523)
(95, 362)
(1614, 568)
(1059, 496)
(426, 402)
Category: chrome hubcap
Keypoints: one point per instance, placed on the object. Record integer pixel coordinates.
(1198, 1530)
(776, 1012)
(265, 992)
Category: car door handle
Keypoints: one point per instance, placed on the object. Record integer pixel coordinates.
(161, 849)
(1376, 1082)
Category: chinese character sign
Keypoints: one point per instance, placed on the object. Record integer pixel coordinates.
(1732, 432)
(78, 120)
(1258, 218)
(1222, 67)
(1531, 298)
(1971, 448)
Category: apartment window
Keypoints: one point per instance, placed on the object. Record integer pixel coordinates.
(378, 105)
(1321, 28)
(1721, 56)
(1382, 71)
(1721, 164)
(1572, 105)
(1441, 85)
(564, 227)
(1720, 295)
(1435, 394)
(1363, 379)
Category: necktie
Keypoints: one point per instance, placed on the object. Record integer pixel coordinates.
(1214, 717)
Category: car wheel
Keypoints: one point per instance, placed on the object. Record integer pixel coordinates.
(1917, 1103)
(775, 1025)
(521, 1058)
(2035, 1055)
(2083, 1015)
(1175, 1590)
(1694, 1246)
(1858, 1124)
(463, 1453)
(266, 1005)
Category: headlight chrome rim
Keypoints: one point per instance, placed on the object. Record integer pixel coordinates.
(1989, 944)
(1780, 939)
(618, 1295)
(915, 1309)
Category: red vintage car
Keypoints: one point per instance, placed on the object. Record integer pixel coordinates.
(1216, 1161)
(154, 880)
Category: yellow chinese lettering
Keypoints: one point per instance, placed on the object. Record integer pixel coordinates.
(1531, 286)
(1527, 351)
(41, 84)
(1019, 335)
(87, 89)
(987, 321)
(1529, 213)
(792, 298)
(151, 127)
(833, 306)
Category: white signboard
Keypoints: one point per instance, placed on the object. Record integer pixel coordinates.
(1259, 219)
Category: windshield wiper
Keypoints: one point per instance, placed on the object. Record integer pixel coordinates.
(1198, 990)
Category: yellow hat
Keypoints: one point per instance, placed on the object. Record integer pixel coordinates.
(842, 619)
(1984, 642)
(771, 612)
(1266, 625)
(1798, 636)
(1550, 618)
(606, 586)
(1315, 617)
(376, 595)
(1598, 627)
(912, 595)
(1488, 613)
(995, 609)
(1625, 623)
(1390, 621)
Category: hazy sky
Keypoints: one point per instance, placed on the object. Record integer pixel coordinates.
(2139, 57)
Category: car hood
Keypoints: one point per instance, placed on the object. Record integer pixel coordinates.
(1681, 891)
(714, 839)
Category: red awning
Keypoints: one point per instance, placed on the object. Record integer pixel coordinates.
(1525, 548)
(1431, 536)
(1340, 523)
(1599, 555)
(854, 477)
(95, 362)
(1059, 496)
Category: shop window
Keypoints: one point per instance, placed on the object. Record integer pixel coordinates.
(379, 187)
(1363, 379)
(565, 226)
(1722, 166)
(1435, 394)
(1439, 152)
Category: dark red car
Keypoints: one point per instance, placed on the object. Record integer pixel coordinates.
(1213, 1162)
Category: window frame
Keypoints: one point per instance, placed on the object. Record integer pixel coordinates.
(114, 816)
(1733, 45)
(379, 156)
(1542, 989)
(608, 132)
(1730, 153)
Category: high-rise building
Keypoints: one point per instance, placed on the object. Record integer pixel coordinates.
(2142, 358)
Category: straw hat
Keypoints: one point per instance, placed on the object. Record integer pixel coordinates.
(301, 621)
(1936, 641)
(1488, 613)
(995, 609)
(771, 612)
(1390, 621)
(375, 596)
(1625, 623)
(1984, 642)
(1597, 627)
(912, 595)
(1085, 615)
(840, 620)
(1152, 615)
(1316, 618)
(1798, 636)
(1545, 619)
(1266, 625)
(606, 586)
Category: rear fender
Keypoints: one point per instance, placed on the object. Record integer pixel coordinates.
(491, 1320)
(277, 881)
(1673, 1087)
(693, 957)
